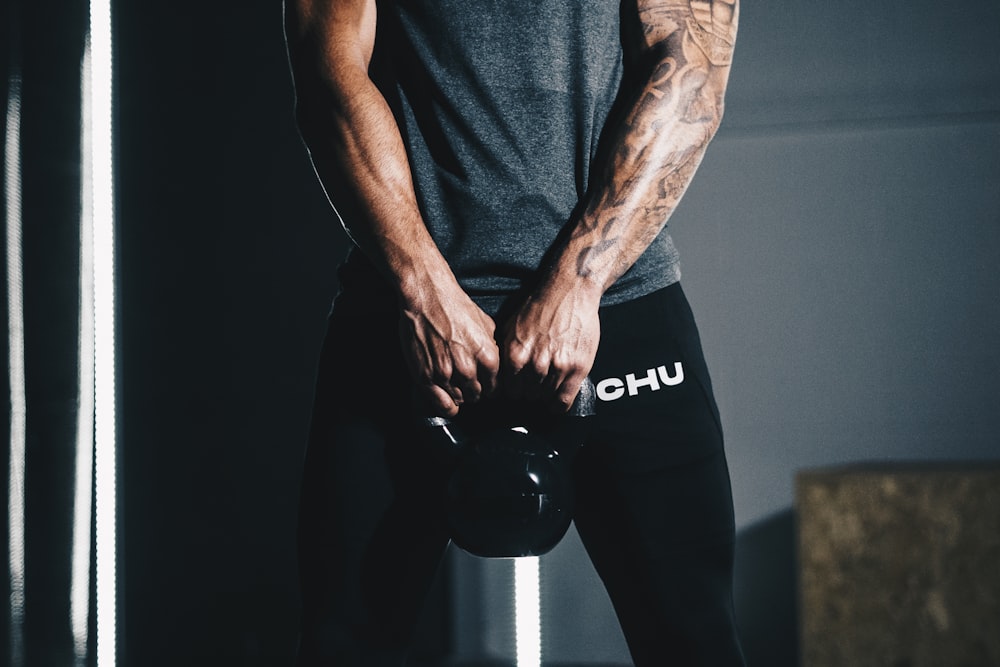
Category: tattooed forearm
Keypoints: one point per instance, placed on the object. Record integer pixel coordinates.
(661, 142)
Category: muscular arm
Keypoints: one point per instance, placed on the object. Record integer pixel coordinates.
(661, 142)
(688, 44)
(358, 154)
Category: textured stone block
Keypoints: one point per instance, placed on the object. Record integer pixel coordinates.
(899, 565)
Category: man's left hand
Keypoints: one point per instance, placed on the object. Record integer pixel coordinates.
(549, 345)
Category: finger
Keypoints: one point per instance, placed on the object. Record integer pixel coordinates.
(562, 370)
(478, 375)
(567, 391)
(515, 382)
(465, 378)
(443, 386)
(454, 392)
(510, 383)
(442, 374)
(554, 380)
(488, 368)
(515, 357)
(517, 354)
(534, 377)
(470, 390)
(441, 401)
(489, 379)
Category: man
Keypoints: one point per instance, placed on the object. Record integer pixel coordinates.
(506, 169)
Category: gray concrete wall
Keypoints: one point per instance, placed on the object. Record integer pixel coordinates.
(841, 241)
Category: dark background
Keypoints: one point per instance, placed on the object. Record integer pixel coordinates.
(227, 257)
(840, 247)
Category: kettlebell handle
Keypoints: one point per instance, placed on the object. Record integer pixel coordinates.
(585, 405)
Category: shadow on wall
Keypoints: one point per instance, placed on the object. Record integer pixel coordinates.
(766, 591)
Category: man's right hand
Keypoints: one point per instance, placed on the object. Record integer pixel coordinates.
(358, 153)
(449, 344)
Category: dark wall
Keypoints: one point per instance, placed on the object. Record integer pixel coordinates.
(227, 253)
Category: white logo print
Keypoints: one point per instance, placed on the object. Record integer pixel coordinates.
(611, 389)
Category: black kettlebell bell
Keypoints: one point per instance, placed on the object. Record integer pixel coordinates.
(510, 492)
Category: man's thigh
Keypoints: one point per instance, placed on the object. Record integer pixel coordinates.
(655, 399)
(655, 508)
(371, 523)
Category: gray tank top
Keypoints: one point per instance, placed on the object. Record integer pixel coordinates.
(502, 104)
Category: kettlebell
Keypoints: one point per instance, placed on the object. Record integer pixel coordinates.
(510, 491)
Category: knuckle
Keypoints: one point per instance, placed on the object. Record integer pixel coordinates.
(439, 376)
(518, 357)
(489, 355)
(566, 361)
(447, 408)
(442, 369)
(439, 401)
(464, 368)
(473, 391)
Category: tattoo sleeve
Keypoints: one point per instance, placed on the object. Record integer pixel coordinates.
(660, 143)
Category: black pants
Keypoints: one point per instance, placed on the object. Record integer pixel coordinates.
(654, 508)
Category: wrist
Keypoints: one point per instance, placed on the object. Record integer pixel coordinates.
(565, 278)
(416, 270)
(580, 293)
(427, 285)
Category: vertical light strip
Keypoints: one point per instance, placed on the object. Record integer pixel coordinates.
(105, 490)
(15, 342)
(82, 503)
(527, 613)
